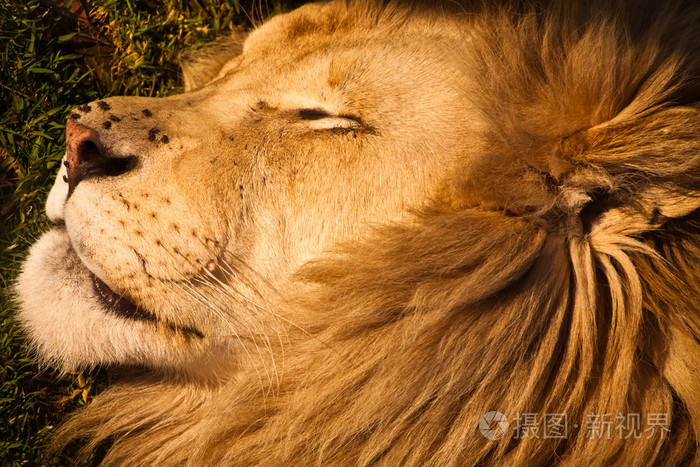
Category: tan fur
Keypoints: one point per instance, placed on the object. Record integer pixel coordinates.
(528, 243)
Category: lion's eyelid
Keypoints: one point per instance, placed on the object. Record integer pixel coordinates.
(332, 122)
(322, 119)
(314, 114)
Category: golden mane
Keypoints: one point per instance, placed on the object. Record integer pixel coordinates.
(558, 272)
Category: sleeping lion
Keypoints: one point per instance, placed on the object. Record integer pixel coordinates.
(391, 233)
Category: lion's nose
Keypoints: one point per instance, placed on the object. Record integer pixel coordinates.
(87, 157)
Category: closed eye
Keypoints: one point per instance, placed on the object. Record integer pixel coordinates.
(313, 114)
(321, 119)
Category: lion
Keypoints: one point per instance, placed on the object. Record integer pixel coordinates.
(390, 233)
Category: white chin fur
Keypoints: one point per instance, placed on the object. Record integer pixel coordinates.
(69, 328)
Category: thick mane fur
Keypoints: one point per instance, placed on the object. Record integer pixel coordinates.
(557, 272)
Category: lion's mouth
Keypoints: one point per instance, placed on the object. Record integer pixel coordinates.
(119, 304)
(125, 308)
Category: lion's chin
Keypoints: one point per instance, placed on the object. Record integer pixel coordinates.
(75, 321)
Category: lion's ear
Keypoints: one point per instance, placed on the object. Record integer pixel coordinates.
(637, 171)
(631, 173)
(203, 66)
(649, 167)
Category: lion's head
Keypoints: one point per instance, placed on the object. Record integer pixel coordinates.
(177, 219)
(370, 224)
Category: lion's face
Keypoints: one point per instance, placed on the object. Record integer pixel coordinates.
(183, 219)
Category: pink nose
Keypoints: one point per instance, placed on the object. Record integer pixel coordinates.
(87, 157)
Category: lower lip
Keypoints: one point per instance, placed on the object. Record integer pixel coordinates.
(125, 308)
(119, 304)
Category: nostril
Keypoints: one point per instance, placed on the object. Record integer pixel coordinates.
(113, 167)
(88, 152)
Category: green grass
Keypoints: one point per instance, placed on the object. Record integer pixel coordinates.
(52, 60)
